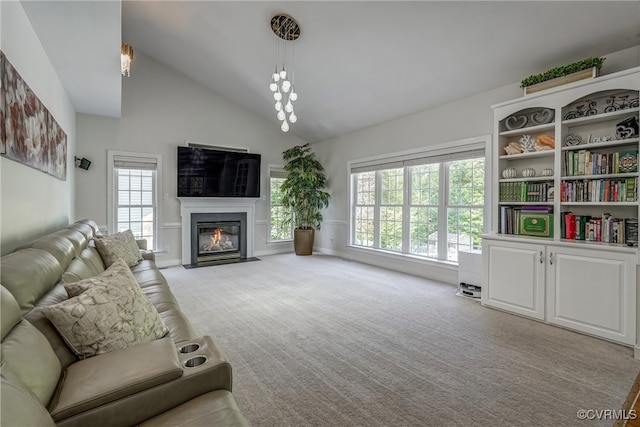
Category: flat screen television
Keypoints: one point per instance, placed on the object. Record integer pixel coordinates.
(215, 173)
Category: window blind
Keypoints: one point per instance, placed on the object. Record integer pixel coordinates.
(468, 151)
(277, 173)
(140, 163)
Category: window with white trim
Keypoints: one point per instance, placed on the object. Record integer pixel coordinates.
(280, 224)
(134, 197)
(428, 203)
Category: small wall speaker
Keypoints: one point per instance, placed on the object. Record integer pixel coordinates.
(83, 163)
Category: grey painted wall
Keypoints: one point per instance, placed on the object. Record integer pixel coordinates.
(462, 119)
(161, 108)
(33, 203)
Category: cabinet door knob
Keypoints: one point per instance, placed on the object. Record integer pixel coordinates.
(550, 258)
(541, 260)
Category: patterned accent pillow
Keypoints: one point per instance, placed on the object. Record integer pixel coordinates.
(120, 245)
(109, 313)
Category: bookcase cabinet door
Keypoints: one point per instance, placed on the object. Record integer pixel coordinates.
(514, 277)
(592, 291)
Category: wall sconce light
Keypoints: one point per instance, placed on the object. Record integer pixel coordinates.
(82, 163)
(126, 58)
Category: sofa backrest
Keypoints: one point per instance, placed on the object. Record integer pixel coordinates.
(88, 264)
(29, 274)
(26, 351)
(33, 274)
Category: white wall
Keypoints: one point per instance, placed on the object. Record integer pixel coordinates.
(466, 118)
(33, 203)
(161, 108)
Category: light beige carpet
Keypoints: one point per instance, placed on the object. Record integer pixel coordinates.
(320, 341)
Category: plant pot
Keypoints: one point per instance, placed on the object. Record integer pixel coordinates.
(559, 81)
(303, 241)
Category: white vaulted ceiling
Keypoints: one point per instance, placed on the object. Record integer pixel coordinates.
(356, 63)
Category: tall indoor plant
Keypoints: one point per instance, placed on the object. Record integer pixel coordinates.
(303, 193)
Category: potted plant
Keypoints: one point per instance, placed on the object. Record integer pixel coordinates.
(561, 75)
(303, 193)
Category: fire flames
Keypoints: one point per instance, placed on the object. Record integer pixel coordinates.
(218, 242)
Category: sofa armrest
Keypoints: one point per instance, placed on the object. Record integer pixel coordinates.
(142, 244)
(214, 374)
(148, 255)
(102, 379)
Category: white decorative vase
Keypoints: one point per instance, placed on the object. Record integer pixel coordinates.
(509, 173)
(529, 173)
(547, 172)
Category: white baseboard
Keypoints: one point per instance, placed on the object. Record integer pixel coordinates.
(446, 274)
(164, 263)
(274, 251)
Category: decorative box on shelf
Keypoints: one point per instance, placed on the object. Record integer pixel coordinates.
(535, 224)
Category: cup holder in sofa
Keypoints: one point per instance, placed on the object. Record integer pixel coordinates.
(195, 361)
(189, 348)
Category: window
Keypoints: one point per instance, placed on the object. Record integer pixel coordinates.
(426, 203)
(134, 195)
(280, 224)
(391, 209)
(425, 193)
(364, 208)
(465, 206)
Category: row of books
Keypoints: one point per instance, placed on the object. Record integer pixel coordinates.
(606, 228)
(599, 190)
(524, 191)
(584, 162)
(516, 220)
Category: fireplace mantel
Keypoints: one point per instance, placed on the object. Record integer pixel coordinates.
(189, 205)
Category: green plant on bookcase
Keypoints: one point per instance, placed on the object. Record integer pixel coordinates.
(564, 70)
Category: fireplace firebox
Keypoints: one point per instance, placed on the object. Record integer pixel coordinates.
(218, 238)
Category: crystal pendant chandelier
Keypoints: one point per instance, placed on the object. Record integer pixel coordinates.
(282, 80)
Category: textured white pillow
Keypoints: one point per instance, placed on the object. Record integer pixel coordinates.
(108, 312)
(120, 245)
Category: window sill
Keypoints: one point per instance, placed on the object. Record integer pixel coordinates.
(278, 242)
(451, 265)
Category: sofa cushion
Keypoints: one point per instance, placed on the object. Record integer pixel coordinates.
(27, 352)
(78, 239)
(216, 408)
(60, 247)
(83, 228)
(120, 245)
(29, 274)
(108, 313)
(88, 264)
(19, 406)
(103, 379)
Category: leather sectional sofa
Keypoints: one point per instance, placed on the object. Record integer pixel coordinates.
(180, 379)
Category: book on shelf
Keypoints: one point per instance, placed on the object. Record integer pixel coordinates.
(605, 228)
(524, 191)
(510, 217)
(631, 231)
(599, 190)
(627, 161)
(585, 162)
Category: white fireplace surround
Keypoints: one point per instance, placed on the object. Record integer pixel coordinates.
(189, 205)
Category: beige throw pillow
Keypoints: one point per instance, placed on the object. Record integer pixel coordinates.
(109, 312)
(120, 245)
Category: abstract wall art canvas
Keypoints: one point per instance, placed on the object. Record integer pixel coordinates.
(29, 133)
